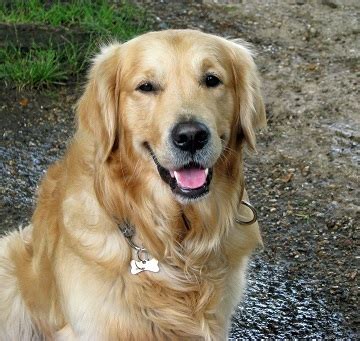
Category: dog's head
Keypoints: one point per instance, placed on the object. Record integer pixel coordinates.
(178, 101)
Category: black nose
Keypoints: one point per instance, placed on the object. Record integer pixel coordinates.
(190, 136)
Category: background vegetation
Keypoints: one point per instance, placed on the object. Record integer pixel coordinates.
(67, 34)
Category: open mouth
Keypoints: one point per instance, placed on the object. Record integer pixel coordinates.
(191, 181)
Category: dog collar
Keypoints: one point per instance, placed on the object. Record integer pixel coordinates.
(144, 261)
(253, 210)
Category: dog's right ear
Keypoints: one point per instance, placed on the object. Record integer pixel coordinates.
(97, 109)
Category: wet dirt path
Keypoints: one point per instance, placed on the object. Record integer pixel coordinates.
(304, 179)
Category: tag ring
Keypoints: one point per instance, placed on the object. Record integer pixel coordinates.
(145, 254)
(253, 210)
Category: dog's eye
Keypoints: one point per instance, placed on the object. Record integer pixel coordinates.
(146, 87)
(212, 81)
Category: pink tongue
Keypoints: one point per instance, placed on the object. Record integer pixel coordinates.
(190, 178)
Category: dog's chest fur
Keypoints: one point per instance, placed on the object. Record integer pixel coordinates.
(179, 301)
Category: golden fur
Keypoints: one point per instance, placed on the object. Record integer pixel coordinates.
(66, 276)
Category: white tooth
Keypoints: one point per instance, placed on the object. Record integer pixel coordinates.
(172, 173)
(206, 171)
(176, 175)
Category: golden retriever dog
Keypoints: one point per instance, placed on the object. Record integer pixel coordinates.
(142, 231)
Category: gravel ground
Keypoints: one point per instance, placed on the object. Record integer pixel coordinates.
(304, 180)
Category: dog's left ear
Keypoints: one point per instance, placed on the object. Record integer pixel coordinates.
(250, 106)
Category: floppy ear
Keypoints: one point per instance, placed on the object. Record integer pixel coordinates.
(250, 106)
(97, 108)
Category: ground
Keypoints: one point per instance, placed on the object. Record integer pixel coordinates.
(304, 178)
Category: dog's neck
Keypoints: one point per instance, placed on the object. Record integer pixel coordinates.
(188, 238)
(181, 235)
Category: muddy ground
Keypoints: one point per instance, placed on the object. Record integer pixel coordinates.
(304, 180)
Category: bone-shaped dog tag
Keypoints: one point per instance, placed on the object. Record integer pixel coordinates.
(144, 265)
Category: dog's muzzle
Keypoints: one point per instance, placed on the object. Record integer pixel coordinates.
(192, 179)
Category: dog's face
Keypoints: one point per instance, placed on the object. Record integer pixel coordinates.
(182, 98)
(178, 105)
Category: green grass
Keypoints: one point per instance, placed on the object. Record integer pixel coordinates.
(40, 66)
(101, 17)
